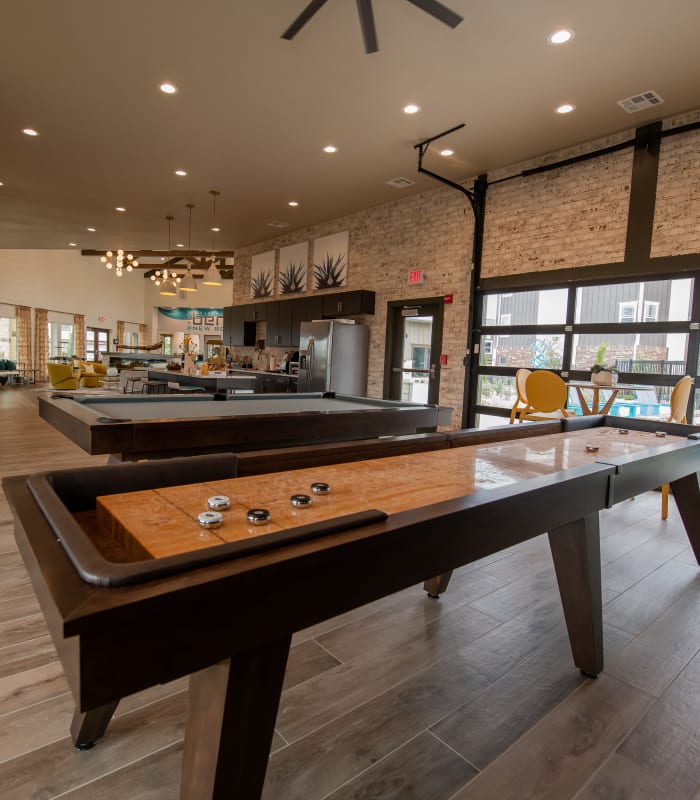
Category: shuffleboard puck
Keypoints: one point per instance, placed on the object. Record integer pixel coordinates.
(258, 516)
(660, 434)
(219, 502)
(592, 448)
(320, 488)
(300, 500)
(210, 519)
(623, 431)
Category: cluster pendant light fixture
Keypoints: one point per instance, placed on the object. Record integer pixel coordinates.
(212, 277)
(123, 261)
(167, 280)
(189, 284)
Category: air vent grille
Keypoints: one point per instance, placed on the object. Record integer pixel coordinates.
(640, 101)
(400, 183)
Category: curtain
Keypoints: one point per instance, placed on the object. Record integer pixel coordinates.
(41, 343)
(24, 335)
(142, 335)
(79, 335)
(120, 332)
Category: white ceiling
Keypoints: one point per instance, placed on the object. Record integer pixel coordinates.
(254, 111)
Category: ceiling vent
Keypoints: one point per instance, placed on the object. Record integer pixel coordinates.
(400, 183)
(640, 101)
(278, 224)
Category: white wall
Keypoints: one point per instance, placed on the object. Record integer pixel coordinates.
(65, 281)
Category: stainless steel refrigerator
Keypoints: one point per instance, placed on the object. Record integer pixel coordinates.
(333, 356)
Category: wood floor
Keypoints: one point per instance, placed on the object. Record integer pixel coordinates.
(472, 697)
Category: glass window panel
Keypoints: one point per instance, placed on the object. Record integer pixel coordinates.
(630, 302)
(544, 307)
(645, 353)
(8, 338)
(497, 391)
(524, 350)
(489, 421)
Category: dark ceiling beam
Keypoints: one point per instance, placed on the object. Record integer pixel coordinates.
(165, 253)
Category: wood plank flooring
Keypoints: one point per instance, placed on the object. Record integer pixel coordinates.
(471, 697)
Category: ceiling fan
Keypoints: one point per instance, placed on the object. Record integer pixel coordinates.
(364, 9)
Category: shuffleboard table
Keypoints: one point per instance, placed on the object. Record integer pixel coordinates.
(127, 578)
(135, 427)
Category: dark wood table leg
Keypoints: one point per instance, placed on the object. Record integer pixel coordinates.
(231, 712)
(89, 726)
(437, 585)
(686, 493)
(576, 553)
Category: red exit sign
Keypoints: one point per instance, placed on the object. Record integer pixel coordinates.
(416, 276)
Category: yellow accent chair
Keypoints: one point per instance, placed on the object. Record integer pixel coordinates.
(61, 376)
(92, 374)
(679, 405)
(521, 400)
(546, 395)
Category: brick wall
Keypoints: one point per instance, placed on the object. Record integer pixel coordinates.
(677, 212)
(568, 217)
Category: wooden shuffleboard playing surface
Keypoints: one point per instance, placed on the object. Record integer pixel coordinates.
(163, 522)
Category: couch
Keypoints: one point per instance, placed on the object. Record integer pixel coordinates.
(61, 376)
(92, 374)
(8, 369)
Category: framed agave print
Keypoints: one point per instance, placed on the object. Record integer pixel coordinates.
(262, 275)
(330, 269)
(292, 270)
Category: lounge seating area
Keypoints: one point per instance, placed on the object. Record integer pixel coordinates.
(86, 374)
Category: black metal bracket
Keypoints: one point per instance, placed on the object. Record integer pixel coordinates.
(422, 148)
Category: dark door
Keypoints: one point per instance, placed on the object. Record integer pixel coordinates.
(414, 343)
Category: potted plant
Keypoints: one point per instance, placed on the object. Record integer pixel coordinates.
(603, 375)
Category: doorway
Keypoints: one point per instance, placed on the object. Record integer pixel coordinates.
(413, 347)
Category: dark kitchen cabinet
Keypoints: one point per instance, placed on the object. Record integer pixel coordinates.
(304, 309)
(238, 330)
(340, 304)
(279, 323)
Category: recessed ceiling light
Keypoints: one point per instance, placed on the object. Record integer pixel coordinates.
(1, 183)
(411, 108)
(120, 208)
(168, 88)
(216, 230)
(292, 203)
(92, 230)
(30, 131)
(329, 148)
(72, 244)
(447, 152)
(565, 108)
(180, 172)
(560, 37)
(179, 245)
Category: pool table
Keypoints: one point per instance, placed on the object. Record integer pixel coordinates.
(136, 427)
(378, 530)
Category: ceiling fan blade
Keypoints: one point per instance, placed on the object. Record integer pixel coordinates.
(369, 32)
(439, 11)
(303, 18)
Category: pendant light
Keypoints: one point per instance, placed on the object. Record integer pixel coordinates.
(212, 277)
(189, 284)
(169, 287)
